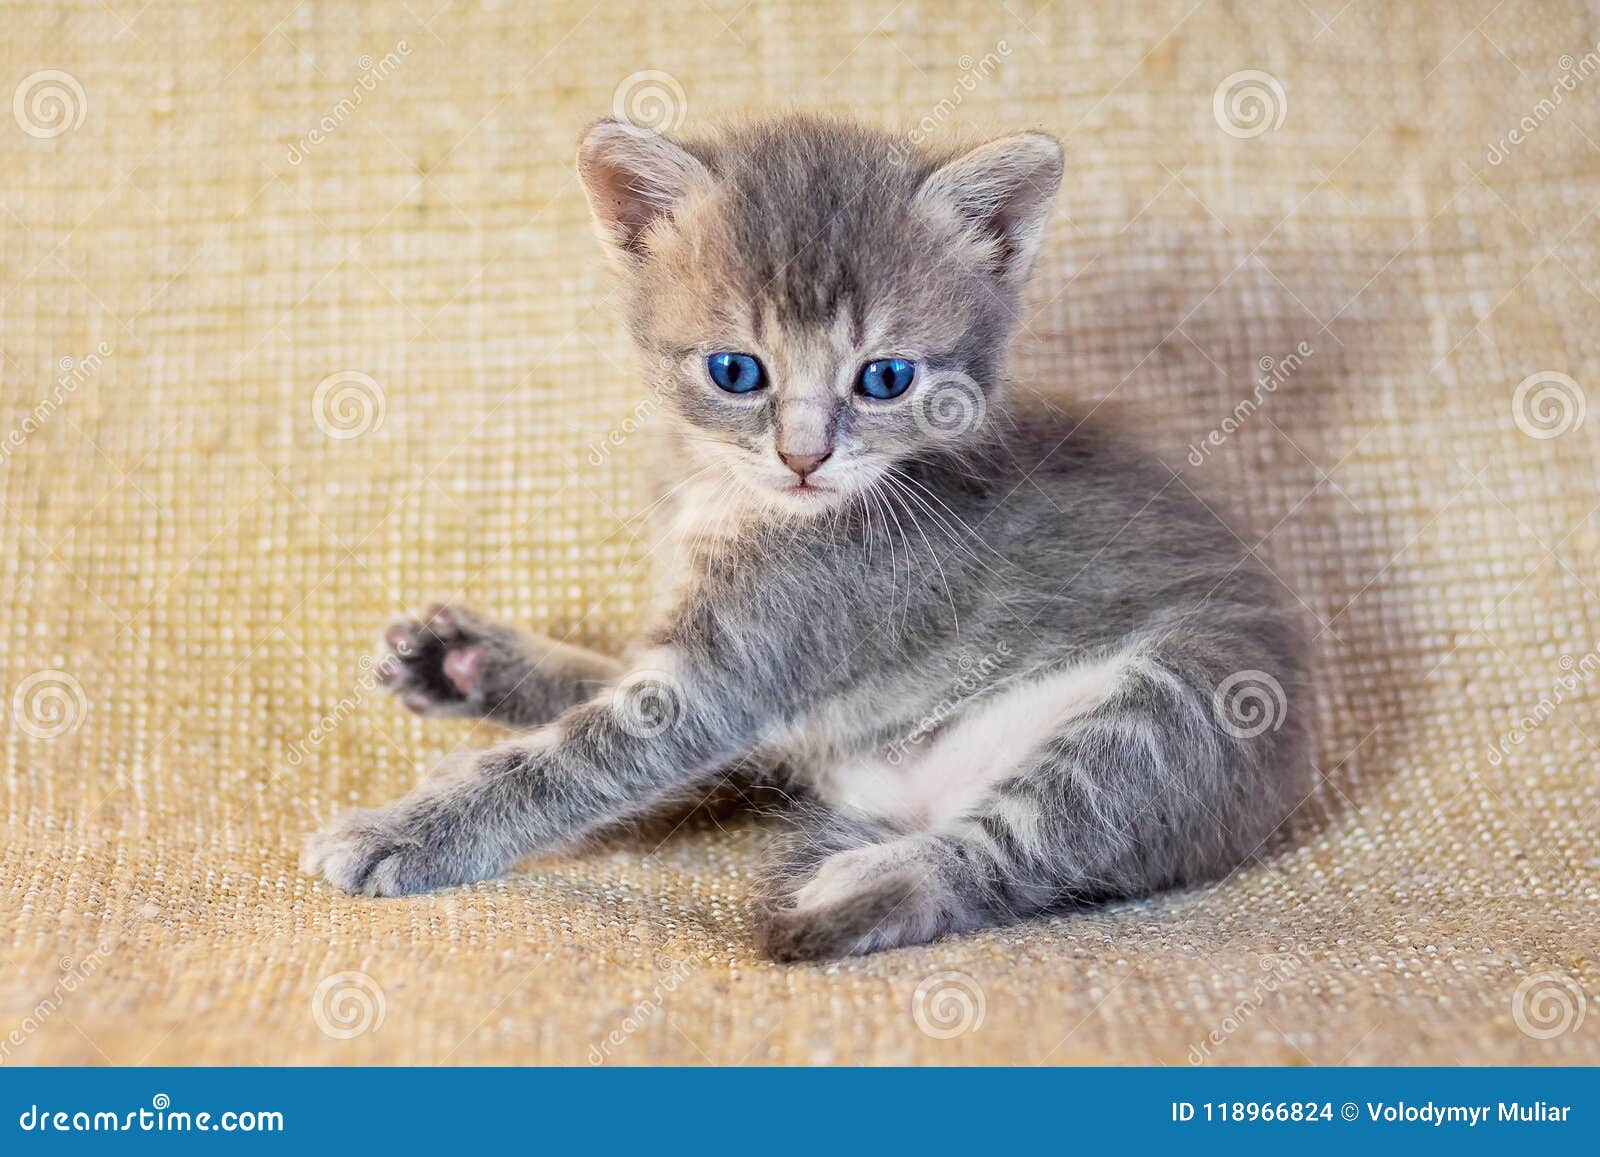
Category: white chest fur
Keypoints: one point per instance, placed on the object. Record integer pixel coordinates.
(928, 784)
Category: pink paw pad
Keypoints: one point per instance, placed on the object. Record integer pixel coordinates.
(461, 667)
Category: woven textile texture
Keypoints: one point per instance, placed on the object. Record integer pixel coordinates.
(302, 326)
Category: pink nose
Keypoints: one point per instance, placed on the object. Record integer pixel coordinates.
(804, 464)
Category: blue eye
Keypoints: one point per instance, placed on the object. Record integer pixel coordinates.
(886, 378)
(736, 373)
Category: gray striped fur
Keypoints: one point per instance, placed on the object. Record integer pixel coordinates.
(1098, 599)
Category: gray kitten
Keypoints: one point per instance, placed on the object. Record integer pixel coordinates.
(1007, 665)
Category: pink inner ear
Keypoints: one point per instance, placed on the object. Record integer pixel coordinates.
(628, 205)
(633, 178)
(1003, 190)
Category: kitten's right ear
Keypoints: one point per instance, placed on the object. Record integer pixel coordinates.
(634, 178)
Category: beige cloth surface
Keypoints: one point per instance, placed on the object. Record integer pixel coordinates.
(198, 547)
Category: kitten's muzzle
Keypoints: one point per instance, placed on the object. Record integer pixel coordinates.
(804, 465)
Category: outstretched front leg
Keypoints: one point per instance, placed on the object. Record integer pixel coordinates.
(455, 662)
(742, 657)
(654, 732)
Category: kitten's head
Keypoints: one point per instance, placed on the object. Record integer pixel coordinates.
(815, 303)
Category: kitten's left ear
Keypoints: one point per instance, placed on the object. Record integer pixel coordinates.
(634, 179)
(1001, 192)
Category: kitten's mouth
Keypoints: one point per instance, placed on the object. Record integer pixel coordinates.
(806, 490)
(799, 496)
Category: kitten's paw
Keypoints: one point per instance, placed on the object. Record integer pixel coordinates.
(383, 852)
(436, 664)
(874, 917)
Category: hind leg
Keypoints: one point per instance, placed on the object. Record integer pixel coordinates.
(1143, 791)
(890, 892)
(844, 887)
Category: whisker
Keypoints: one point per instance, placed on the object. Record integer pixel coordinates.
(944, 581)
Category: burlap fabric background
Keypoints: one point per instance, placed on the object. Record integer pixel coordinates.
(301, 325)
